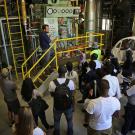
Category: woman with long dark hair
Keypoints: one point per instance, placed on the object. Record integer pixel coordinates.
(31, 96)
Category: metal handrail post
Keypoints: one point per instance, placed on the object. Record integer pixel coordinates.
(4, 43)
(55, 48)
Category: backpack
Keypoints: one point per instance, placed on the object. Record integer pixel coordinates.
(62, 95)
(38, 105)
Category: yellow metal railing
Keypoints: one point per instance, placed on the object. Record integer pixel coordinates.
(98, 35)
(27, 60)
(28, 74)
(78, 43)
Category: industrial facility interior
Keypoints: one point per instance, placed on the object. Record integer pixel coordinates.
(74, 25)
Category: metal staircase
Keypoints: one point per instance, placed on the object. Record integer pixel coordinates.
(16, 41)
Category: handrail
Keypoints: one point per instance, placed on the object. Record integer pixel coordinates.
(67, 39)
(30, 56)
(27, 61)
(94, 33)
(28, 72)
(42, 70)
(99, 34)
(85, 47)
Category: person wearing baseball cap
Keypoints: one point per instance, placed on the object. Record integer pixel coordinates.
(8, 88)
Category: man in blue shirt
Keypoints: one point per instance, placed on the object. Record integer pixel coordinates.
(45, 42)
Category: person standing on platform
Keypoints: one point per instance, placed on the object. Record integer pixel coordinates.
(45, 42)
(96, 50)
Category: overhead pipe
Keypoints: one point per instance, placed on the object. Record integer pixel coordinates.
(93, 17)
(99, 15)
(90, 16)
(24, 14)
(90, 19)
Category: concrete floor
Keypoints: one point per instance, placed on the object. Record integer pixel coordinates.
(78, 117)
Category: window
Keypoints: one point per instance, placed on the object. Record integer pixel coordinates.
(106, 24)
(125, 44)
(132, 44)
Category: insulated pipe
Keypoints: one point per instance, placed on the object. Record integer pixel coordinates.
(133, 27)
(24, 15)
(90, 18)
(99, 16)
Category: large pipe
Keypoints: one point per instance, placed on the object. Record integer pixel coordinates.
(133, 27)
(24, 15)
(90, 16)
(90, 19)
(99, 16)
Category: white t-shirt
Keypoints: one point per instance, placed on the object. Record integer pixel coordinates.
(36, 93)
(38, 131)
(101, 110)
(74, 77)
(114, 90)
(98, 64)
(52, 86)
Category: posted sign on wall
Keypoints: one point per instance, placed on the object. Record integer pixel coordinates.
(53, 27)
(52, 11)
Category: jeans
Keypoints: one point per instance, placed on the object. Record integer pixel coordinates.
(42, 117)
(48, 56)
(57, 116)
(129, 123)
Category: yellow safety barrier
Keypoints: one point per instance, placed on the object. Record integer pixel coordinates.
(100, 35)
(72, 45)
